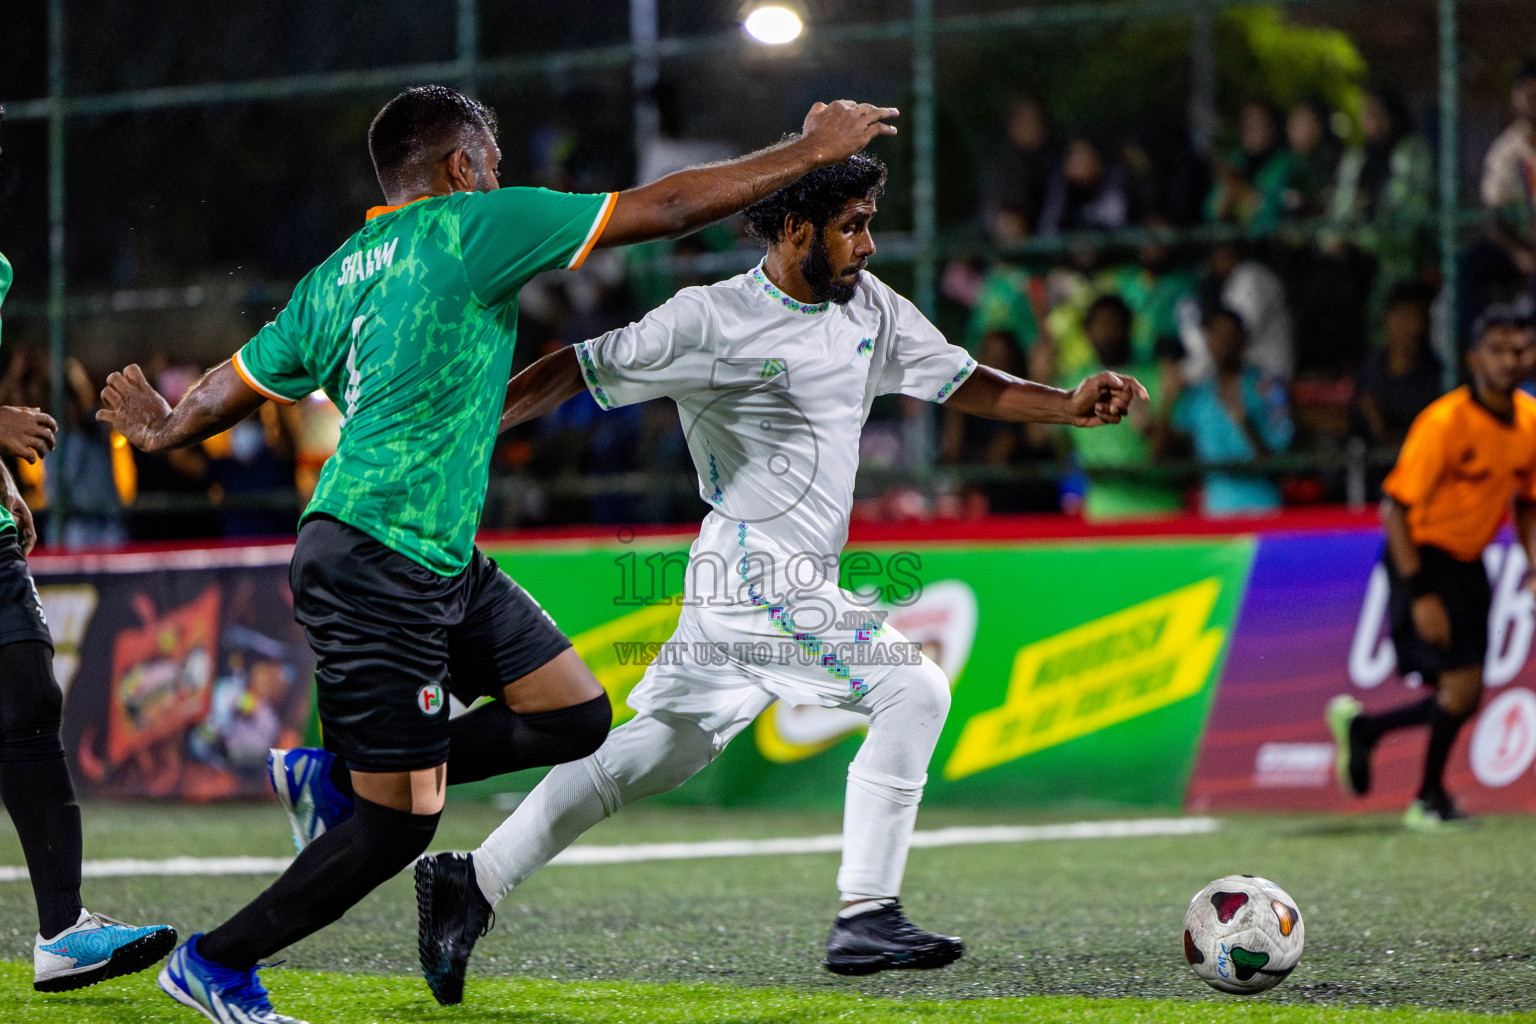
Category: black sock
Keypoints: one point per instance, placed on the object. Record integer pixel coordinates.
(333, 873)
(35, 785)
(1443, 728)
(494, 740)
(41, 801)
(1372, 727)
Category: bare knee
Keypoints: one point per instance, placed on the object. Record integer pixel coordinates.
(415, 792)
(1461, 690)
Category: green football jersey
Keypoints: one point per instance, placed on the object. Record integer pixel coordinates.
(6, 522)
(409, 328)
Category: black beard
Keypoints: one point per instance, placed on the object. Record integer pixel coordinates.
(816, 269)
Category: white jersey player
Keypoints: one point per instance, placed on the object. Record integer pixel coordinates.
(773, 373)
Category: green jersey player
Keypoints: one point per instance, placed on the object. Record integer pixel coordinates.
(409, 329)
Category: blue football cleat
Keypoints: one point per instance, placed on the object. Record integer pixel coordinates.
(222, 994)
(94, 949)
(301, 778)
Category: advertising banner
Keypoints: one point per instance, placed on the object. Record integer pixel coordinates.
(1117, 671)
(1081, 672)
(1313, 625)
(179, 669)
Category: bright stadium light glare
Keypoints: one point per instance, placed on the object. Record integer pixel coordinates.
(773, 25)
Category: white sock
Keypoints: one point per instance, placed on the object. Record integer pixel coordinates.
(885, 781)
(644, 756)
(864, 907)
(554, 816)
(879, 814)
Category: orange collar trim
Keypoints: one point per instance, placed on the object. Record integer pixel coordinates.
(379, 211)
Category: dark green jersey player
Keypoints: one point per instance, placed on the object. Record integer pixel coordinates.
(409, 329)
(73, 948)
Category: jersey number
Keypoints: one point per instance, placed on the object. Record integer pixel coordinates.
(354, 388)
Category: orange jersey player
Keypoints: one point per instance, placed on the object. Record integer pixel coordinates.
(1466, 459)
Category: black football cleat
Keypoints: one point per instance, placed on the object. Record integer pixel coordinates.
(882, 940)
(451, 915)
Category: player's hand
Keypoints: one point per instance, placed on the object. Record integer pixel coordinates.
(133, 408)
(837, 130)
(1431, 621)
(1103, 398)
(26, 433)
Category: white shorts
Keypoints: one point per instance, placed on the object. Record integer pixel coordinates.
(726, 663)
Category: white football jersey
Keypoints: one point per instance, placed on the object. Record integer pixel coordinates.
(773, 394)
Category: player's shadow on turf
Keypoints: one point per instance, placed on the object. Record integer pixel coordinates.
(1345, 827)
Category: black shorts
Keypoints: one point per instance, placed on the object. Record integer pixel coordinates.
(392, 639)
(21, 612)
(1464, 588)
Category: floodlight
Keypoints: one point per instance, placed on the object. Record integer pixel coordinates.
(773, 25)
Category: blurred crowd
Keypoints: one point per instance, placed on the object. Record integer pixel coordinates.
(1281, 299)
(1286, 352)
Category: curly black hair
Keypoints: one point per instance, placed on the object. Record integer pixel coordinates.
(817, 196)
(418, 121)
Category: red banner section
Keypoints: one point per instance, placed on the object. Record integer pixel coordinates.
(180, 669)
(1312, 626)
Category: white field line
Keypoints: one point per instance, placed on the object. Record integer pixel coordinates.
(643, 852)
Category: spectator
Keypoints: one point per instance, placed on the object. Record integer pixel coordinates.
(1384, 195)
(1255, 293)
(96, 516)
(1509, 173)
(251, 468)
(1233, 416)
(1327, 290)
(1121, 483)
(990, 443)
(1013, 194)
(1169, 180)
(1009, 300)
(1315, 156)
(1159, 292)
(1085, 194)
(1251, 182)
(1504, 263)
(1401, 378)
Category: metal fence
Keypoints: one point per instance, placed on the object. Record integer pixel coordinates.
(921, 25)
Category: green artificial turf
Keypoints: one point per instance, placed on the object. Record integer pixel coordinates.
(1439, 922)
(372, 999)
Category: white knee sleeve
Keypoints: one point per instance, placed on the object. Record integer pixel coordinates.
(886, 778)
(647, 755)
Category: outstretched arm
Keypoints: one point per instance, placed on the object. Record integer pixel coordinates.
(690, 199)
(143, 416)
(1103, 398)
(542, 388)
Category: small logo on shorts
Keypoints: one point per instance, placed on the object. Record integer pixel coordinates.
(430, 699)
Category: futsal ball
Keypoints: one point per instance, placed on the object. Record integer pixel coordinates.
(1243, 934)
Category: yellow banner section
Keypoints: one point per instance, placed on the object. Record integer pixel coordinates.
(619, 651)
(1096, 675)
